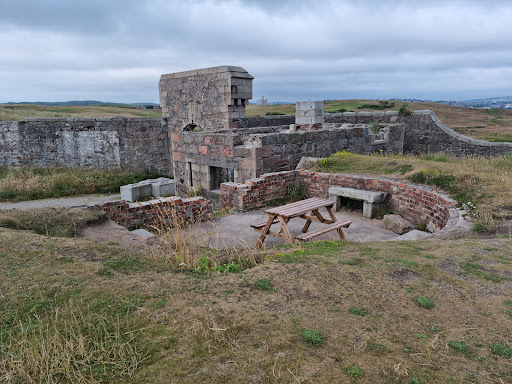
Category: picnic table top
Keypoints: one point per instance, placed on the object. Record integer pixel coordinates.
(299, 207)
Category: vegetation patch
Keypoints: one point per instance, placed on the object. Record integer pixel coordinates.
(501, 349)
(312, 337)
(355, 372)
(357, 311)
(52, 222)
(31, 183)
(424, 302)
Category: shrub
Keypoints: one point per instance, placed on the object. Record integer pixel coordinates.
(264, 285)
(312, 337)
(404, 110)
(355, 371)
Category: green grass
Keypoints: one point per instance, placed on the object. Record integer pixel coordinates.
(424, 302)
(312, 337)
(264, 285)
(357, 311)
(30, 183)
(501, 349)
(355, 372)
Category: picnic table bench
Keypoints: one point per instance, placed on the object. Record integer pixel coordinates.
(305, 209)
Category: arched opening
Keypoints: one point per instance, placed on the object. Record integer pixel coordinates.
(192, 128)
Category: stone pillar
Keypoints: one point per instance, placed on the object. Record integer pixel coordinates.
(309, 112)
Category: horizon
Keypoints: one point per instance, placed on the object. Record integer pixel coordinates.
(296, 50)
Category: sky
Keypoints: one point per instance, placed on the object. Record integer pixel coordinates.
(60, 50)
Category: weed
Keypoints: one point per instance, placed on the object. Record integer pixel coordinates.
(377, 348)
(408, 263)
(459, 346)
(415, 380)
(312, 337)
(229, 268)
(157, 303)
(374, 127)
(501, 349)
(355, 371)
(405, 168)
(424, 302)
(404, 110)
(422, 227)
(264, 285)
(420, 336)
(357, 311)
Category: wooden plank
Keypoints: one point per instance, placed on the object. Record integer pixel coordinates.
(298, 210)
(265, 230)
(284, 227)
(262, 224)
(321, 231)
(300, 205)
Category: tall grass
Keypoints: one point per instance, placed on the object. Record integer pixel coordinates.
(72, 345)
(31, 183)
(188, 245)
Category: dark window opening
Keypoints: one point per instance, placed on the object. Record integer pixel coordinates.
(192, 128)
(220, 175)
(350, 204)
(190, 179)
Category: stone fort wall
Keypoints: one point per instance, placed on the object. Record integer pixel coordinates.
(118, 142)
(424, 133)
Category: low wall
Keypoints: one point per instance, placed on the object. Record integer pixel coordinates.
(418, 204)
(117, 142)
(266, 121)
(144, 214)
(424, 133)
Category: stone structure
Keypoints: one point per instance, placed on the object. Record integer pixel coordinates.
(210, 98)
(145, 214)
(309, 112)
(418, 204)
(161, 187)
(424, 133)
(374, 203)
(208, 159)
(118, 142)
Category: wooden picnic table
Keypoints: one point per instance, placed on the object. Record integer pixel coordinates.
(305, 209)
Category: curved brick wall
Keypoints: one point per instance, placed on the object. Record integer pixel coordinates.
(418, 204)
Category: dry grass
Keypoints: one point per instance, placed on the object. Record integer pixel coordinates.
(71, 345)
(212, 327)
(16, 112)
(32, 183)
(491, 125)
(486, 183)
(188, 245)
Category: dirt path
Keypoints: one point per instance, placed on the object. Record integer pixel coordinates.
(61, 202)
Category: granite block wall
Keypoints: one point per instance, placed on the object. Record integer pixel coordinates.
(211, 98)
(424, 133)
(118, 142)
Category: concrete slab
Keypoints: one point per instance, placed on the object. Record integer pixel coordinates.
(235, 230)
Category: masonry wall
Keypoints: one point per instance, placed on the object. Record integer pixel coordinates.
(210, 98)
(118, 142)
(424, 133)
(419, 204)
(159, 211)
(252, 152)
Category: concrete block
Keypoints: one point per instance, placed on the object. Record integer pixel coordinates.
(134, 192)
(163, 188)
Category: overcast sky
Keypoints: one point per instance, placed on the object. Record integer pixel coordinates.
(59, 50)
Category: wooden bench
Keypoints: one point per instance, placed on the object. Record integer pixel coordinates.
(337, 225)
(260, 226)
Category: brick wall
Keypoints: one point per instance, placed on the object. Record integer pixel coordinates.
(256, 193)
(418, 204)
(144, 214)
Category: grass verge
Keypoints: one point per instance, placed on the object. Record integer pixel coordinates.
(30, 183)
